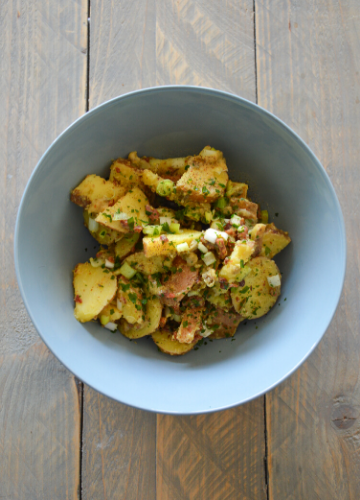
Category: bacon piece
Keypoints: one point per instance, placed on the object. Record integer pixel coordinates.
(224, 323)
(152, 213)
(221, 248)
(178, 284)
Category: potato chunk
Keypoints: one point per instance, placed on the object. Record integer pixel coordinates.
(133, 204)
(102, 234)
(238, 189)
(163, 246)
(167, 344)
(170, 168)
(206, 178)
(93, 289)
(151, 323)
(244, 208)
(124, 246)
(125, 173)
(131, 299)
(269, 239)
(219, 298)
(257, 296)
(110, 313)
(235, 270)
(95, 193)
(147, 265)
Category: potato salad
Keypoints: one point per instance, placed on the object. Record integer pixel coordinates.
(184, 253)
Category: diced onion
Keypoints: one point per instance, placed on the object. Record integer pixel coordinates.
(274, 280)
(209, 258)
(111, 326)
(119, 305)
(209, 277)
(182, 247)
(163, 220)
(210, 153)
(205, 332)
(121, 216)
(235, 220)
(211, 235)
(96, 262)
(93, 225)
(109, 264)
(192, 293)
(202, 248)
(176, 318)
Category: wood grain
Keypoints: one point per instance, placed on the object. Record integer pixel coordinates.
(42, 90)
(141, 44)
(308, 74)
(217, 456)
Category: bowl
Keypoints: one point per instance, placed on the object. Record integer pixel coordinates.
(284, 177)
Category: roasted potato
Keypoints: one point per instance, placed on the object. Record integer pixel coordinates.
(133, 205)
(164, 246)
(148, 265)
(258, 295)
(131, 299)
(167, 344)
(126, 244)
(269, 239)
(205, 180)
(94, 288)
(95, 193)
(235, 270)
(151, 322)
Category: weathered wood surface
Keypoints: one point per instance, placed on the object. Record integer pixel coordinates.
(215, 456)
(308, 74)
(42, 90)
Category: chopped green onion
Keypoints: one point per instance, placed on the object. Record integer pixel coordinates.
(175, 228)
(165, 187)
(153, 230)
(264, 216)
(220, 203)
(104, 320)
(127, 271)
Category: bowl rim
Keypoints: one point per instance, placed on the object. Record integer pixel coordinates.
(215, 93)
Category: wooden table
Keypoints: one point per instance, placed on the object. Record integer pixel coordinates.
(59, 439)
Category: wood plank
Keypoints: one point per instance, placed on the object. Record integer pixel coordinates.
(176, 42)
(42, 90)
(216, 456)
(119, 442)
(308, 74)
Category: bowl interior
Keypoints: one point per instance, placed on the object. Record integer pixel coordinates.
(284, 177)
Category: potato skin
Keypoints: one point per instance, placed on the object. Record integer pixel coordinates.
(94, 189)
(269, 239)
